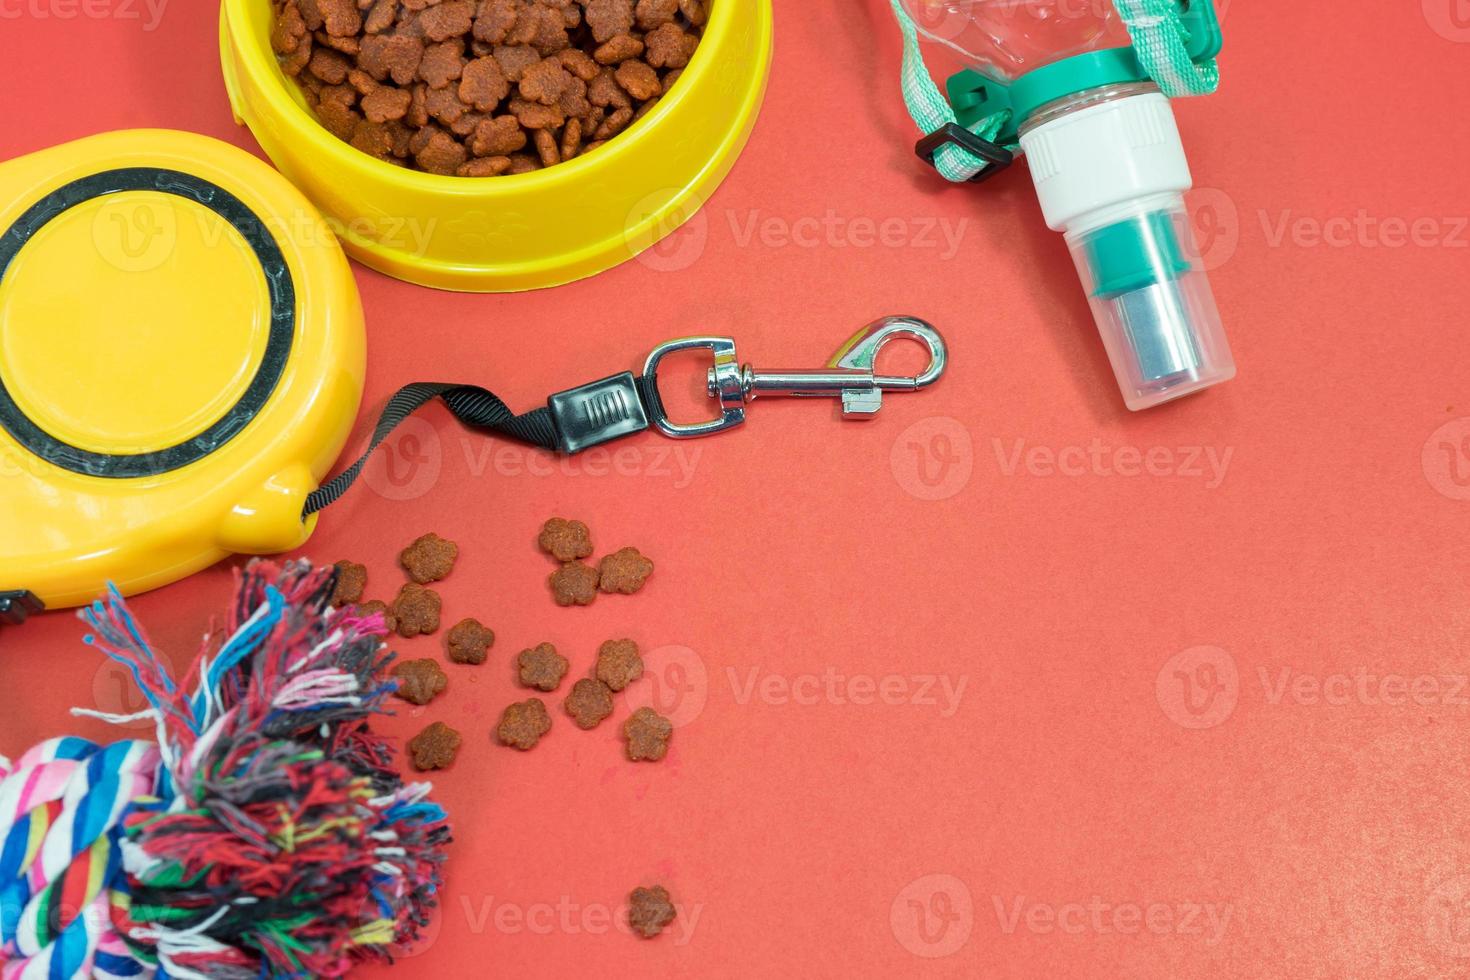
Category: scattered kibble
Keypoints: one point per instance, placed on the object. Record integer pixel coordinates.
(574, 584)
(420, 681)
(351, 581)
(648, 734)
(618, 663)
(435, 747)
(429, 559)
(469, 642)
(541, 667)
(589, 703)
(523, 723)
(416, 610)
(565, 540)
(624, 571)
(650, 910)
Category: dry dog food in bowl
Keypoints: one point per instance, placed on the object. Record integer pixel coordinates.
(482, 88)
(374, 108)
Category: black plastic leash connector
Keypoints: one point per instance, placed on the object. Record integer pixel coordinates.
(17, 607)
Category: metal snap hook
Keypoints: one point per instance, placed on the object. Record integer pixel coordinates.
(849, 375)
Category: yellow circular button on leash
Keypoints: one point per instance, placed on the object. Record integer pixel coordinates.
(181, 360)
(145, 253)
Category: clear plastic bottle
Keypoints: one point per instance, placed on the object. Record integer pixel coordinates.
(1005, 39)
(1110, 172)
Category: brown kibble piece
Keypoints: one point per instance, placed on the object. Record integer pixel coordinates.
(574, 584)
(483, 84)
(650, 910)
(579, 63)
(544, 82)
(469, 641)
(523, 163)
(420, 681)
(416, 610)
(447, 19)
(624, 571)
(340, 118)
(381, 17)
(442, 63)
(542, 667)
(444, 105)
(430, 558)
(391, 55)
(571, 139)
(329, 66)
(435, 747)
(609, 18)
(534, 115)
(373, 138)
(670, 47)
(550, 29)
(340, 17)
(522, 724)
(694, 11)
(618, 663)
(546, 148)
(648, 734)
(289, 30)
(498, 137)
(589, 703)
(494, 20)
(615, 123)
(618, 50)
(351, 580)
(346, 45)
(372, 606)
(362, 83)
(515, 59)
(638, 80)
(655, 13)
(485, 167)
(385, 104)
(604, 90)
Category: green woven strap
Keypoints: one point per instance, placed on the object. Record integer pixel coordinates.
(1159, 38)
(931, 109)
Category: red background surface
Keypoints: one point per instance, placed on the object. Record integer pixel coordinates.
(1100, 776)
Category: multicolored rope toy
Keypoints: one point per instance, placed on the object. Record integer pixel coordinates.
(265, 834)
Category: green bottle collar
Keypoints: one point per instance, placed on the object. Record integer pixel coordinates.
(975, 96)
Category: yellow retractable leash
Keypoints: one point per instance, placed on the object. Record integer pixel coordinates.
(181, 360)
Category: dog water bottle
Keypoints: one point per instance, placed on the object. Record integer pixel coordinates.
(1079, 87)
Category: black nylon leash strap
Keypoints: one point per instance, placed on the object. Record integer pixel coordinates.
(571, 421)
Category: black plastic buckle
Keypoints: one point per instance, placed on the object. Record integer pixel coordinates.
(15, 607)
(599, 412)
(996, 155)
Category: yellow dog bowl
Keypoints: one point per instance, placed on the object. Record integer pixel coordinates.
(181, 360)
(521, 231)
